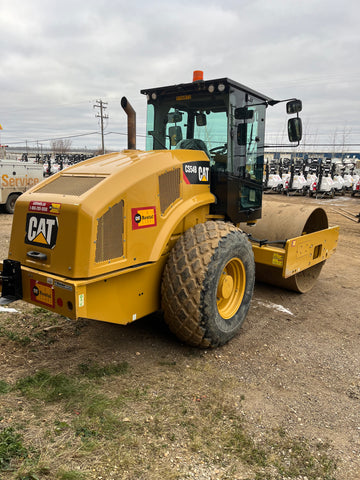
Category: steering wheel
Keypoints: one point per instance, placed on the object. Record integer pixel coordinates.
(221, 149)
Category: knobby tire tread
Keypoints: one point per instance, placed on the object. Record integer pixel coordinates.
(183, 281)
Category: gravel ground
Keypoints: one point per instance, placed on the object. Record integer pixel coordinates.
(296, 361)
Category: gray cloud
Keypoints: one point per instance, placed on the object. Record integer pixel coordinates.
(59, 57)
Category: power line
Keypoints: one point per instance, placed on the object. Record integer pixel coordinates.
(125, 134)
(102, 106)
(331, 144)
(54, 138)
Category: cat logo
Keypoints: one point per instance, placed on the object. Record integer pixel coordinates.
(41, 230)
(203, 174)
(196, 173)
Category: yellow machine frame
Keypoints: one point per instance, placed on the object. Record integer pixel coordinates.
(299, 253)
(74, 282)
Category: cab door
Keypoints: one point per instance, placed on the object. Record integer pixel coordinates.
(248, 157)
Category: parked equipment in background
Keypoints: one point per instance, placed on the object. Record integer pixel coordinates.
(348, 176)
(272, 180)
(336, 175)
(356, 187)
(122, 235)
(323, 177)
(324, 185)
(293, 178)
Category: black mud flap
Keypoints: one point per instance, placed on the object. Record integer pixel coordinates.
(11, 282)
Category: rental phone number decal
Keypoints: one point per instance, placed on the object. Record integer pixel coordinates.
(45, 207)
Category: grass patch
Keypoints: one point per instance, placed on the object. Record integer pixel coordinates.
(23, 340)
(95, 405)
(71, 475)
(60, 427)
(50, 388)
(165, 363)
(154, 424)
(93, 370)
(240, 443)
(11, 447)
(85, 432)
(295, 458)
(4, 387)
(163, 420)
(44, 314)
(28, 476)
(39, 311)
(24, 329)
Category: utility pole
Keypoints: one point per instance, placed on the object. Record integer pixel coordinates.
(102, 106)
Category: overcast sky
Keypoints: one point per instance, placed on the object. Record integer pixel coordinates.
(59, 57)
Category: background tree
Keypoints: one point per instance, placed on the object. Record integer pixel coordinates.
(60, 146)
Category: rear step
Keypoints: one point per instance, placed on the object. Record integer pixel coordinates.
(10, 278)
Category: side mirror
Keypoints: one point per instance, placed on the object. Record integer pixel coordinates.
(294, 106)
(201, 120)
(175, 134)
(174, 117)
(243, 113)
(294, 129)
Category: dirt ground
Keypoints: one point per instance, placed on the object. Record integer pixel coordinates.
(296, 359)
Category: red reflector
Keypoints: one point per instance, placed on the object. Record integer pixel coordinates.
(59, 302)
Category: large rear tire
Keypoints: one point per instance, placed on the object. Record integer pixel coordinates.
(208, 284)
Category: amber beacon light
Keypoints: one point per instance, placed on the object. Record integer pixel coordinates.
(198, 75)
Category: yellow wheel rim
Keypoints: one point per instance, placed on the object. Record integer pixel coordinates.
(231, 288)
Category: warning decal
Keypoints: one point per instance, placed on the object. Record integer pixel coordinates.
(41, 230)
(278, 259)
(143, 217)
(196, 173)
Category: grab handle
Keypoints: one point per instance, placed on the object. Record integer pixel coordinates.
(36, 255)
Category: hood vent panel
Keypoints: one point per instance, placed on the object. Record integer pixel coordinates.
(169, 188)
(110, 232)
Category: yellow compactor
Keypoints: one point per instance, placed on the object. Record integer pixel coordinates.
(177, 227)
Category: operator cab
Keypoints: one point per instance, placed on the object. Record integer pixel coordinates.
(224, 119)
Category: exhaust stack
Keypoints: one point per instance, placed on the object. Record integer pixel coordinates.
(131, 124)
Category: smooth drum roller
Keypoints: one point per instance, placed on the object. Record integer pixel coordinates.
(281, 222)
